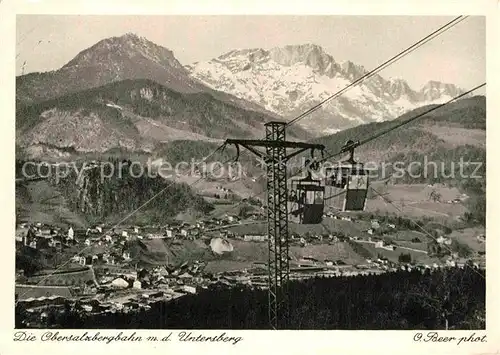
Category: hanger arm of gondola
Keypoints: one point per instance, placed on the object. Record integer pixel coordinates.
(258, 153)
(289, 156)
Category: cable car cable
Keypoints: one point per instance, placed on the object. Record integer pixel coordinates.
(130, 215)
(418, 225)
(369, 139)
(342, 151)
(390, 61)
(420, 115)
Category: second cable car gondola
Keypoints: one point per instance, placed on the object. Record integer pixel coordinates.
(347, 183)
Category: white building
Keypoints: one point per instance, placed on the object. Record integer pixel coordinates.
(71, 233)
(126, 256)
(189, 289)
(119, 283)
(254, 238)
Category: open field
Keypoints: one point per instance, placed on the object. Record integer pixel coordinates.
(68, 278)
(245, 254)
(457, 136)
(329, 226)
(414, 201)
(407, 236)
(393, 255)
(468, 236)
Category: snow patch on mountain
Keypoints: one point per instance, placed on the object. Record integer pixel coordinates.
(292, 79)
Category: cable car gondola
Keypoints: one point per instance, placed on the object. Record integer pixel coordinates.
(349, 179)
(306, 201)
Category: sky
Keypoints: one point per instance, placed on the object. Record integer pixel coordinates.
(47, 42)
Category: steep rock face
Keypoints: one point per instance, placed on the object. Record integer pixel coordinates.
(123, 190)
(434, 90)
(291, 79)
(81, 130)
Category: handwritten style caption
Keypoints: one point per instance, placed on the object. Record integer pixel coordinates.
(186, 337)
(434, 337)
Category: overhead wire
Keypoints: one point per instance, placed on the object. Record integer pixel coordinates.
(373, 72)
(382, 66)
(130, 215)
(420, 227)
(405, 122)
(369, 139)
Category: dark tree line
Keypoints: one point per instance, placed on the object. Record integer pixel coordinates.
(397, 300)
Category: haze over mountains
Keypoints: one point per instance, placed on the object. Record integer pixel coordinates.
(128, 94)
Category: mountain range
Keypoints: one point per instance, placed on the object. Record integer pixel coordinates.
(126, 96)
(291, 79)
(114, 59)
(279, 83)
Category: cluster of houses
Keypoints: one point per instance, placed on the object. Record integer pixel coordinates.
(187, 277)
(223, 193)
(39, 236)
(124, 291)
(95, 240)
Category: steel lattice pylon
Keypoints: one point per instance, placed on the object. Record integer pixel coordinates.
(276, 159)
(277, 226)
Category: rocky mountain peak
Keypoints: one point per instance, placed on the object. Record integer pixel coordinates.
(114, 50)
(309, 54)
(435, 89)
(399, 88)
(351, 70)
